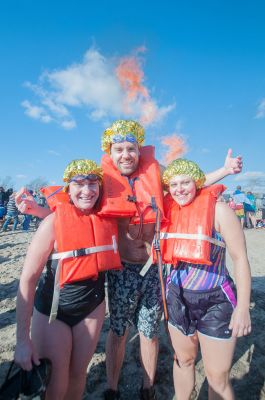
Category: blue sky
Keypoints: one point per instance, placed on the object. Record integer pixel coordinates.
(203, 65)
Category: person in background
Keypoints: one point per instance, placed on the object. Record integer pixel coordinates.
(8, 194)
(231, 203)
(2, 202)
(240, 199)
(250, 210)
(27, 217)
(11, 213)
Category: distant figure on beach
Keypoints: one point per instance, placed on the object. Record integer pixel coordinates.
(68, 306)
(231, 203)
(202, 304)
(131, 178)
(240, 199)
(2, 202)
(11, 213)
(250, 210)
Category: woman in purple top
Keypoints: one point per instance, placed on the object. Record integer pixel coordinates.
(201, 299)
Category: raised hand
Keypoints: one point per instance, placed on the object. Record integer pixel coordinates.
(25, 202)
(233, 165)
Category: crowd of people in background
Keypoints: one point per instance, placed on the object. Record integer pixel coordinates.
(9, 212)
(249, 209)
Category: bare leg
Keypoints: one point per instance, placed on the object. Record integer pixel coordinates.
(115, 351)
(85, 339)
(217, 358)
(53, 341)
(148, 356)
(253, 219)
(186, 348)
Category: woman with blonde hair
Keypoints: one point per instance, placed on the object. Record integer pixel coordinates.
(76, 245)
(203, 308)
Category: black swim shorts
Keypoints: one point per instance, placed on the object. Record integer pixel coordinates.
(208, 311)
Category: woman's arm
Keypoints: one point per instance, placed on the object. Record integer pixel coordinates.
(232, 165)
(229, 227)
(37, 255)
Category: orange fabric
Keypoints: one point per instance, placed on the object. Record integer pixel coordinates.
(116, 188)
(75, 230)
(196, 217)
(54, 195)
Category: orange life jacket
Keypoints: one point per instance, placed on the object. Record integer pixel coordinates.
(187, 236)
(54, 195)
(121, 200)
(86, 244)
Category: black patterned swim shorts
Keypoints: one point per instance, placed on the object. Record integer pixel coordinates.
(134, 299)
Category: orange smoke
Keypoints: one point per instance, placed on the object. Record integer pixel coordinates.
(130, 77)
(176, 148)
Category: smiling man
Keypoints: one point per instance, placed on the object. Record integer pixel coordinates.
(131, 179)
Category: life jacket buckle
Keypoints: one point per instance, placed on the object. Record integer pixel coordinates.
(131, 198)
(79, 252)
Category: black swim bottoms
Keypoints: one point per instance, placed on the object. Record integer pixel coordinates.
(208, 312)
(77, 300)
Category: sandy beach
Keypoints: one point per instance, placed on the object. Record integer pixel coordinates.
(248, 370)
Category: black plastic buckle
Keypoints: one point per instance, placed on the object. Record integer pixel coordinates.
(79, 252)
(131, 198)
(157, 245)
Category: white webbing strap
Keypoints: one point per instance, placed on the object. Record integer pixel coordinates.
(146, 266)
(56, 293)
(68, 254)
(191, 236)
(85, 251)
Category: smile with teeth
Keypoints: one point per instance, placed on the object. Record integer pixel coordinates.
(86, 198)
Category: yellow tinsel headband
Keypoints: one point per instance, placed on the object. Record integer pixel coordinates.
(82, 167)
(184, 167)
(120, 131)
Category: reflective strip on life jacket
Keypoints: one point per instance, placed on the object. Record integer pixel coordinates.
(197, 236)
(85, 251)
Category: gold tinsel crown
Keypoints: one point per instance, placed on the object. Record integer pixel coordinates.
(82, 167)
(184, 167)
(122, 127)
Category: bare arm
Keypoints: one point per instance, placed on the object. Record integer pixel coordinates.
(27, 205)
(229, 227)
(232, 165)
(37, 255)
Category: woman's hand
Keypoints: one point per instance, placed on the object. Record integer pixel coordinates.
(240, 322)
(25, 201)
(26, 204)
(233, 165)
(25, 354)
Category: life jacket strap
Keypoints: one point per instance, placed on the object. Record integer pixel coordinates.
(85, 251)
(146, 266)
(191, 236)
(56, 293)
